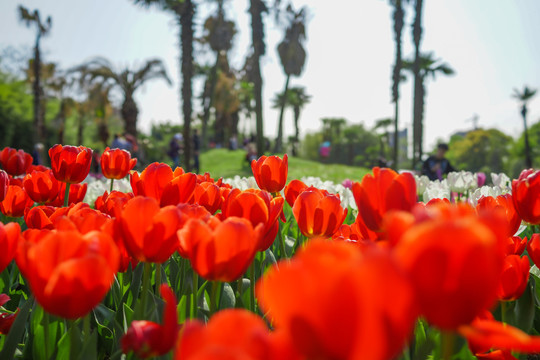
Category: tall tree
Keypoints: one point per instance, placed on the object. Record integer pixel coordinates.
(126, 80)
(256, 9)
(184, 11)
(398, 16)
(523, 97)
(43, 28)
(384, 124)
(296, 99)
(292, 56)
(219, 33)
(417, 99)
(428, 66)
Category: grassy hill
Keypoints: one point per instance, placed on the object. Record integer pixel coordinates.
(226, 163)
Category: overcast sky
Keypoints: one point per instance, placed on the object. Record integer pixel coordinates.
(493, 46)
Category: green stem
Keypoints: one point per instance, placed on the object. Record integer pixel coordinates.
(214, 297)
(503, 312)
(111, 188)
(195, 288)
(252, 287)
(158, 278)
(46, 320)
(145, 284)
(447, 344)
(239, 286)
(282, 243)
(86, 327)
(72, 340)
(66, 195)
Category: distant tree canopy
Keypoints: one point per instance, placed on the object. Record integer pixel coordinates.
(486, 150)
(349, 144)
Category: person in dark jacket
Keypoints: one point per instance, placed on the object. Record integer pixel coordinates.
(437, 165)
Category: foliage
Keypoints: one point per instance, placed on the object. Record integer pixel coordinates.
(350, 145)
(486, 150)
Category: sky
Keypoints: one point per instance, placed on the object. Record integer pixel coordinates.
(492, 46)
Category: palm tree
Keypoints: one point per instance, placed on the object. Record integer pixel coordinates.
(43, 28)
(384, 124)
(396, 76)
(297, 99)
(428, 67)
(184, 11)
(418, 96)
(219, 35)
(523, 98)
(256, 10)
(292, 56)
(127, 80)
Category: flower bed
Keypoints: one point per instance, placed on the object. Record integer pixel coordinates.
(174, 264)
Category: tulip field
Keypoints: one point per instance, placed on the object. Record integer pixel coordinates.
(169, 264)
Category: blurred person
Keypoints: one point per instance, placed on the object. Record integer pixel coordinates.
(435, 166)
(196, 148)
(175, 149)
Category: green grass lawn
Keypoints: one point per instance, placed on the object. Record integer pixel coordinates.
(226, 163)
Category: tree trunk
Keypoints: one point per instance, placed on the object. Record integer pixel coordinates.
(296, 129)
(129, 115)
(186, 23)
(398, 26)
(528, 159)
(279, 139)
(257, 37)
(39, 119)
(208, 102)
(80, 130)
(417, 127)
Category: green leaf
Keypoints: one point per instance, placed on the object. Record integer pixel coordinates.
(89, 349)
(525, 307)
(17, 330)
(228, 299)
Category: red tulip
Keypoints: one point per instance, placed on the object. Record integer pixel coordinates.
(68, 273)
(146, 338)
(149, 232)
(179, 189)
(6, 319)
(220, 251)
(15, 162)
(526, 195)
(113, 203)
(41, 186)
(454, 260)
(36, 168)
(533, 249)
(381, 192)
(116, 163)
(70, 164)
(4, 183)
(229, 334)
(293, 189)
(209, 195)
(151, 181)
(270, 172)
(10, 235)
(38, 217)
(191, 211)
(514, 278)
(515, 245)
(258, 207)
(318, 213)
(77, 192)
(368, 321)
(16, 202)
(484, 333)
(505, 204)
